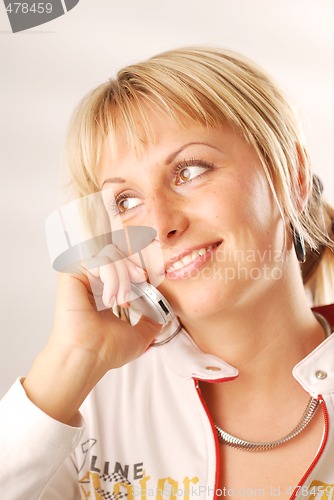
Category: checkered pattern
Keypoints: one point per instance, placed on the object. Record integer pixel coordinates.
(110, 496)
(115, 477)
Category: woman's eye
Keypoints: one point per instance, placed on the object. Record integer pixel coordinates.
(126, 203)
(188, 173)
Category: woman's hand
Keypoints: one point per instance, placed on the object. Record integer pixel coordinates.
(86, 342)
(110, 274)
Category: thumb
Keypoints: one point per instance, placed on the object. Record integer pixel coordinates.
(147, 329)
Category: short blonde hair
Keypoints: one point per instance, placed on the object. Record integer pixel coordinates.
(212, 87)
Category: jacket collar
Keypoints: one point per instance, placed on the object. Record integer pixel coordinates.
(315, 372)
(187, 360)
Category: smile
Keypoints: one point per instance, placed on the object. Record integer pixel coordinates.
(191, 260)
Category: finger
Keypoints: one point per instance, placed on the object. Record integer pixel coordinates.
(133, 263)
(154, 263)
(112, 252)
(123, 293)
(134, 341)
(96, 288)
(109, 278)
(147, 330)
(96, 284)
(136, 273)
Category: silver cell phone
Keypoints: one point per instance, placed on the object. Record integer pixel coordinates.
(152, 304)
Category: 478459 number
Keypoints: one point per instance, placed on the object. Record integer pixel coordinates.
(25, 8)
(324, 491)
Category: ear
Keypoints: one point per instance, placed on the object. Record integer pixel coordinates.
(304, 177)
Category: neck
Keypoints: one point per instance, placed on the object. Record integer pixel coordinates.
(272, 332)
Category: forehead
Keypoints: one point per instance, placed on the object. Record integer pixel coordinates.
(148, 130)
(159, 133)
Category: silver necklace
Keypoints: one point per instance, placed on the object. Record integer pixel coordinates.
(311, 408)
(242, 444)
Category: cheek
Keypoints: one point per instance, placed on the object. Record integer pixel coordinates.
(260, 219)
(242, 207)
(253, 197)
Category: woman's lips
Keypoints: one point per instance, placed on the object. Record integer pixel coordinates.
(190, 262)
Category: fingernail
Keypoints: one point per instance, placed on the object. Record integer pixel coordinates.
(127, 297)
(112, 301)
(140, 270)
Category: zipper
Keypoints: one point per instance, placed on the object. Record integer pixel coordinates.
(217, 447)
(321, 449)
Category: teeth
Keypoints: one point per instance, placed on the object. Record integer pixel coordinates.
(188, 258)
(177, 265)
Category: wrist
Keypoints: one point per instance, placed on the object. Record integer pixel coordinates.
(60, 380)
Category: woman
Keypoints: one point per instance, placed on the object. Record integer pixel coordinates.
(200, 145)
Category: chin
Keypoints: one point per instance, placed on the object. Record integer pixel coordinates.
(198, 302)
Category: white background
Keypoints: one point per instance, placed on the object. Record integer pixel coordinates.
(46, 70)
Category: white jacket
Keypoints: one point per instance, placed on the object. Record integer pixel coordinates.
(147, 433)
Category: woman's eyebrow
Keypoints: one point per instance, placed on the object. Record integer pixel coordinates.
(116, 180)
(171, 157)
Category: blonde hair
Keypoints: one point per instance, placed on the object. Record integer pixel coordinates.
(318, 269)
(212, 87)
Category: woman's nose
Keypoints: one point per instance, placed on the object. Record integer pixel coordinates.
(168, 216)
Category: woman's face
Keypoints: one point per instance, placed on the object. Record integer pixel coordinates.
(205, 193)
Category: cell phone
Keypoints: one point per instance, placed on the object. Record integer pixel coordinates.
(152, 304)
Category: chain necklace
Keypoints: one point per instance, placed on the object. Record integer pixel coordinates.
(311, 408)
(242, 444)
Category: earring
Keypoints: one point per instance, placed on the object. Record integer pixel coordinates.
(299, 244)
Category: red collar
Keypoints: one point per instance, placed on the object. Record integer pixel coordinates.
(326, 311)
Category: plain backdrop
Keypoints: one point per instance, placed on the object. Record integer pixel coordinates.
(46, 70)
